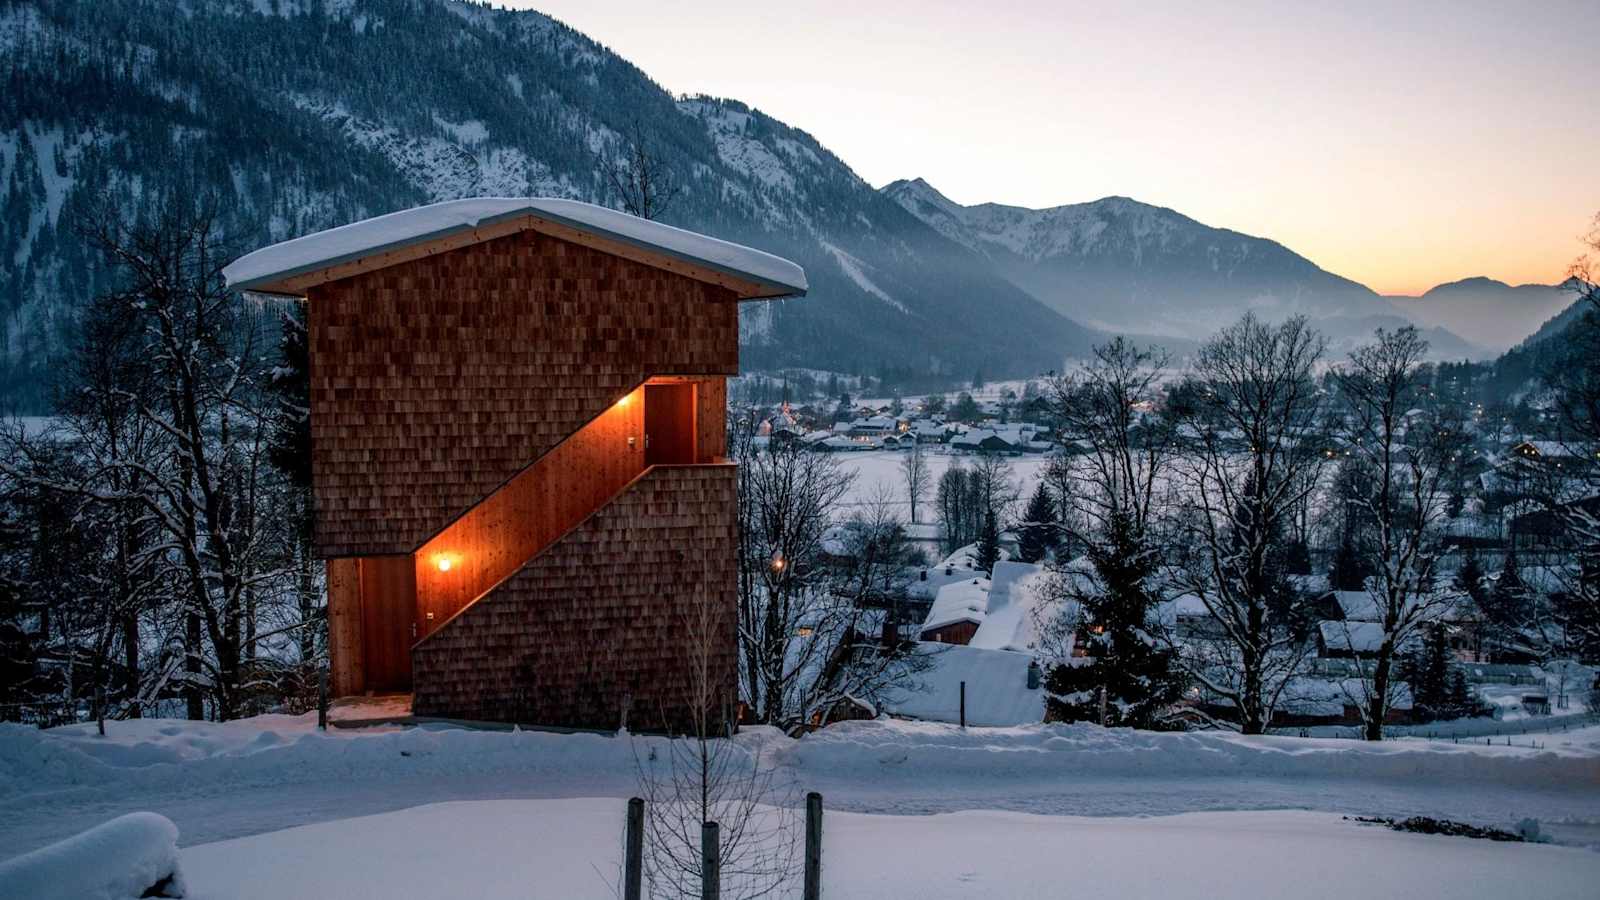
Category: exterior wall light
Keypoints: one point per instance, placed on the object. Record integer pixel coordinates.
(444, 563)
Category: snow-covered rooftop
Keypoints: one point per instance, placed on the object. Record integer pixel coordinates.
(960, 601)
(1016, 600)
(997, 688)
(775, 276)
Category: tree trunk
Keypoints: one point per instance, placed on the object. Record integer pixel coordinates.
(1378, 703)
(130, 662)
(191, 667)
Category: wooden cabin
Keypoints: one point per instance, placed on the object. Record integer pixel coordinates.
(518, 454)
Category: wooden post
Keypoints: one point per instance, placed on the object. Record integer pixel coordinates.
(322, 699)
(813, 882)
(633, 861)
(963, 704)
(710, 862)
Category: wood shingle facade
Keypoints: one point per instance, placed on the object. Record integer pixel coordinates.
(517, 419)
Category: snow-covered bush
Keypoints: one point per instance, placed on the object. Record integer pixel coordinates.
(135, 855)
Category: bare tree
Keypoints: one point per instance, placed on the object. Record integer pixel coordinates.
(1408, 452)
(997, 485)
(1574, 376)
(638, 175)
(1246, 415)
(814, 593)
(705, 775)
(1109, 409)
(915, 470)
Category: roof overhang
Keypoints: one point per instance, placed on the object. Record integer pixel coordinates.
(293, 267)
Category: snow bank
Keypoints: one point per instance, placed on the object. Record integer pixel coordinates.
(426, 223)
(933, 751)
(123, 858)
(245, 753)
(158, 757)
(570, 848)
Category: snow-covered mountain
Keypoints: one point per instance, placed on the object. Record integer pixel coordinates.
(302, 114)
(1488, 312)
(1118, 264)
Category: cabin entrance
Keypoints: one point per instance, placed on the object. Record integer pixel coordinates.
(388, 609)
(669, 424)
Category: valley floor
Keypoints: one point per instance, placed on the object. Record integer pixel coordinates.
(950, 810)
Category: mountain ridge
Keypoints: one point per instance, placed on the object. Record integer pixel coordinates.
(1112, 263)
(308, 114)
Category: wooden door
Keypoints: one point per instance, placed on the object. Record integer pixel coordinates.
(388, 609)
(668, 424)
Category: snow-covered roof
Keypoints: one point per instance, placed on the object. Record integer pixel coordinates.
(1017, 596)
(928, 581)
(997, 688)
(1352, 637)
(262, 270)
(961, 601)
(1358, 606)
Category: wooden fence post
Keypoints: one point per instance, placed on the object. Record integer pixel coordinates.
(633, 860)
(322, 699)
(813, 882)
(710, 862)
(963, 704)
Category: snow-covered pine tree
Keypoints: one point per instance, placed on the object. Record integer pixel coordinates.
(1508, 601)
(988, 542)
(1128, 676)
(1037, 531)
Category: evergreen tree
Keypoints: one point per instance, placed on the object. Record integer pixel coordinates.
(1129, 679)
(1463, 704)
(1427, 672)
(1297, 558)
(1038, 530)
(290, 441)
(1508, 601)
(1350, 569)
(842, 412)
(1469, 578)
(988, 542)
(965, 410)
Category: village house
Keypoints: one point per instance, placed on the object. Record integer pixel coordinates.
(517, 418)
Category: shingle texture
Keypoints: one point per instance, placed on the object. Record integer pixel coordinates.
(613, 613)
(435, 380)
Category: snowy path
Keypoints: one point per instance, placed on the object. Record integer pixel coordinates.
(225, 781)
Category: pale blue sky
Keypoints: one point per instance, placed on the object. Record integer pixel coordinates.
(1401, 146)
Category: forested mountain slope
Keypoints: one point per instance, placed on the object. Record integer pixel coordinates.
(302, 114)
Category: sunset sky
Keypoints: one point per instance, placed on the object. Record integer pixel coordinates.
(1399, 148)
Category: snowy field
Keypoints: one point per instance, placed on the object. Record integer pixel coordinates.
(570, 848)
(939, 811)
(879, 470)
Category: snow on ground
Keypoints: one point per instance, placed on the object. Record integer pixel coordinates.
(571, 848)
(882, 467)
(218, 781)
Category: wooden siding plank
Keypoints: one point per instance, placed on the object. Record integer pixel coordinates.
(345, 649)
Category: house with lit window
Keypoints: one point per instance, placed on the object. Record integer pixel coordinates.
(518, 454)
